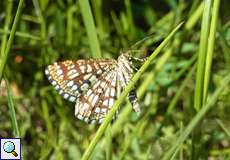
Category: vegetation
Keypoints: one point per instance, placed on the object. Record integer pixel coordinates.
(183, 87)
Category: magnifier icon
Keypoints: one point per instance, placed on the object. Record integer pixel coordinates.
(9, 147)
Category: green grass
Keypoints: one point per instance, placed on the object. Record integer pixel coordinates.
(90, 28)
(195, 121)
(199, 99)
(210, 47)
(5, 52)
(12, 113)
(124, 94)
(183, 87)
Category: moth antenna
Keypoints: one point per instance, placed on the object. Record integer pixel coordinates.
(142, 40)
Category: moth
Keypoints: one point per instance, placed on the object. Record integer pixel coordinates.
(93, 84)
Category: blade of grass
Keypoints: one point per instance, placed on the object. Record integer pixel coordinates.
(127, 109)
(202, 55)
(90, 28)
(41, 19)
(21, 34)
(39, 7)
(188, 65)
(148, 153)
(50, 136)
(30, 18)
(211, 45)
(194, 17)
(123, 95)
(197, 147)
(108, 143)
(12, 112)
(130, 19)
(138, 130)
(195, 121)
(69, 28)
(47, 118)
(180, 91)
(223, 127)
(100, 19)
(225, 47)
(179, 149)
(144, 119)
(6, 26)
(4, 56)
(142, 89)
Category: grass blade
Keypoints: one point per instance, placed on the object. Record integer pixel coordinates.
(211, 45)
(202, 55)
(123, 95)
(4, 56)
(6, 26)
(109, 146)
(90, 28)
(197, 118)
(21, 34)
(180, 91)
(12, 112)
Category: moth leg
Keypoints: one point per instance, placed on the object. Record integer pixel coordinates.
(139, 59)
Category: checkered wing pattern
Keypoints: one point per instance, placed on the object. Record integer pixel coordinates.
(94, 105)
(89, 83)
(93, 84)
(71, 79)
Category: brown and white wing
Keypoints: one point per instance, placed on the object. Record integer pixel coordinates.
(95, 104)
(72, 78)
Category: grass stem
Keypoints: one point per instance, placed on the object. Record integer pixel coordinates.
(123, 95)
(4, 56)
